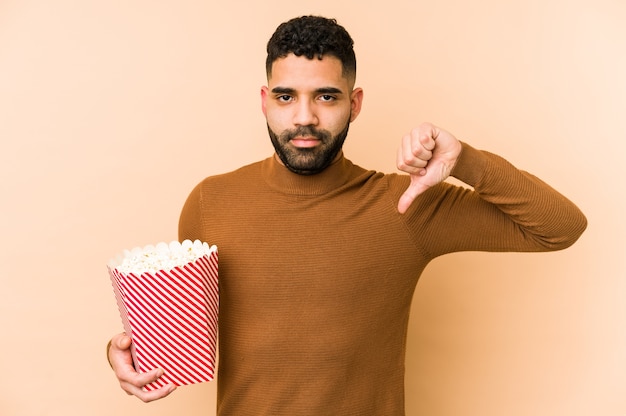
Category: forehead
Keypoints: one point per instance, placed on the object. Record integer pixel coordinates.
(299, 72)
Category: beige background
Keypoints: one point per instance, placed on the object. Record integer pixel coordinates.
(111, 111)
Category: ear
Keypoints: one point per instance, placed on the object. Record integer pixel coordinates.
(264, 94)
(356, 99)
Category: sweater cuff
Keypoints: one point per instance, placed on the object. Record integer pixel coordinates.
(109, 349)
(470, 165)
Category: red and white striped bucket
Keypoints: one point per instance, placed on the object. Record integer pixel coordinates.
(171, 316)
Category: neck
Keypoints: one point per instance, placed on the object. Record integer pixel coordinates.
(279, 177)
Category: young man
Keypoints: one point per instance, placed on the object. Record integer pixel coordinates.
(319, 258)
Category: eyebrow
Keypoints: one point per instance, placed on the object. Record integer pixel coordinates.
(291, 91)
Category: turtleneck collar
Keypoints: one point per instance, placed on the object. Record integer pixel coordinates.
(282, 179)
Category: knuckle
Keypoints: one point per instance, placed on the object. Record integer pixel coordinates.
(403, 165)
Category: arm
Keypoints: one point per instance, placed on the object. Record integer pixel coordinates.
(132, 382)
(508, 210)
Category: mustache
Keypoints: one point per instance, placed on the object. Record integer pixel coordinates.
(301, 131)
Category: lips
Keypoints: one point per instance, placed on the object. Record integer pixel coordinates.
(305, 142)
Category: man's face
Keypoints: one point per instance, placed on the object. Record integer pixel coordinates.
(309, 105)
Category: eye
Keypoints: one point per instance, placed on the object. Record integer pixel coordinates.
(327, 97)
(284, 98)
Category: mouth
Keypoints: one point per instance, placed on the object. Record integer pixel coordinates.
(305, 142)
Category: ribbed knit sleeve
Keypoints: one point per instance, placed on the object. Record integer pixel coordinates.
(507, 210)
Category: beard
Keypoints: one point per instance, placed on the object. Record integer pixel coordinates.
(308, 161)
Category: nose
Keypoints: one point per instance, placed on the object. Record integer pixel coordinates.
(305, 114)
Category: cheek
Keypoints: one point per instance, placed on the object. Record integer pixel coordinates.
(277, 121)
(275, 118)
(337, 121)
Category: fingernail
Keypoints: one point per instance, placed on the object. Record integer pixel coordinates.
(160, 372)
(171, 388)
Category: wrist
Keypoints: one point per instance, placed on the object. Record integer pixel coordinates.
(470, 165)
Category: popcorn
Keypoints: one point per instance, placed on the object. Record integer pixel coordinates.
(168, 300)
(161, 257)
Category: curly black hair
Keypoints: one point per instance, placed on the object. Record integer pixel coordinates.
(312, 36)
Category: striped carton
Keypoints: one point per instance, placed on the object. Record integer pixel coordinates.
(171, 314)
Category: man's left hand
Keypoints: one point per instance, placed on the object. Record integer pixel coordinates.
(428, 155)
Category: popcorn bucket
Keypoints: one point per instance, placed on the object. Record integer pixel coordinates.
(168, 300)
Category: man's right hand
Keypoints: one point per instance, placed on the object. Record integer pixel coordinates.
(130, 380)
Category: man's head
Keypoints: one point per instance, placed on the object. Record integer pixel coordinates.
(310, 99)
(312, 37)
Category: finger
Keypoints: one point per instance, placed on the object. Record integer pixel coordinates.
(148, 377)
(421, 145)
(152, 395)
(130, 380)
(128, 375)
(122, 362)
(412, 160)
(121, 341)
(411, 193)
(147, 395)
(133, 383)
(119, 352)
(424, 136)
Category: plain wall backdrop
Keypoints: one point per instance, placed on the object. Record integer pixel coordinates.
(112, 111)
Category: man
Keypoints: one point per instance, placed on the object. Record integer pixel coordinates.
(319, 258)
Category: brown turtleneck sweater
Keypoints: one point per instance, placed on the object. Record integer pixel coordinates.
(317, 272)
